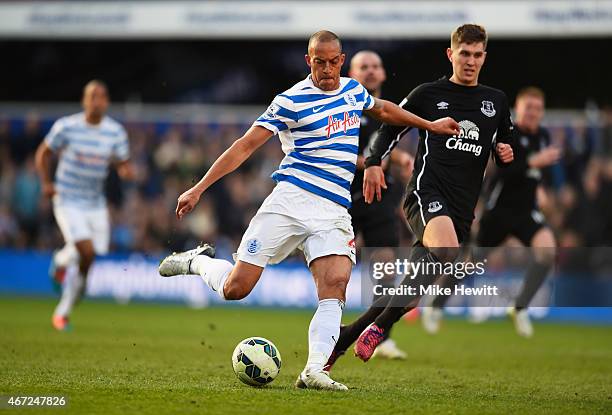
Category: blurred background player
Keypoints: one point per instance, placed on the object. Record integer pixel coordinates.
(377, 223)
(87, 143)
(441, 198)
(511, 208)
(317, 121)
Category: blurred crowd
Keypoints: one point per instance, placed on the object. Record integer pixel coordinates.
(167, 159)
(576, 198)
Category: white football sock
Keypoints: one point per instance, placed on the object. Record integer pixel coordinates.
(323, 333)
(74, 288)
(66, 256)
(213, 271)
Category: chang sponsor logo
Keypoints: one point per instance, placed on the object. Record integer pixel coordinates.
(467, 140)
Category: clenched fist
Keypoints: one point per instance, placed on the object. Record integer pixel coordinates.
(504, 152)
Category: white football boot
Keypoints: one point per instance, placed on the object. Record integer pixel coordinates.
(431, 318)
(522, 322)
(318, 380)
(179, 263)
(389, 350)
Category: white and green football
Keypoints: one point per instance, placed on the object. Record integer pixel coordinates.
(256, 361)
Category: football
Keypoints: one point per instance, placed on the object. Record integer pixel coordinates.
(256, 361)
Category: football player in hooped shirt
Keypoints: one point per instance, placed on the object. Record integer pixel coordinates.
(447, 177)
(317, 121)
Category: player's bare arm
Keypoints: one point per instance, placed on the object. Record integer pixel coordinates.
(391, 113)
(229, 161)
(43, 167)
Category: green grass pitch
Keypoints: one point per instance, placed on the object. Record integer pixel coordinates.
(156, 359)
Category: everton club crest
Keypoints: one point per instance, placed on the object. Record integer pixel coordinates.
(487, 108)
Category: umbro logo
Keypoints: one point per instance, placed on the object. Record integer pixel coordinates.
(442, 105)
(317, 109)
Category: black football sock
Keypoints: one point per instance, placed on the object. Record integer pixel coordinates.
(534, 278)
(351, 332)
(446, 281)
(387, 332)
(400, 304)
(385, 283)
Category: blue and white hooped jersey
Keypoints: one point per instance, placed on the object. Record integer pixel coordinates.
(85, 153)
(319, 133)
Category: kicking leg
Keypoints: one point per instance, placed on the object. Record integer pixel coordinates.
(230, 282)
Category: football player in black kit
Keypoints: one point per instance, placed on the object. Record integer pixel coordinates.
(511, 208)
(378, 223)
(447, 177)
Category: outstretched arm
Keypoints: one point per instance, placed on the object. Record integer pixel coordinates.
(390, 113)
(229, 161)
(389, 134)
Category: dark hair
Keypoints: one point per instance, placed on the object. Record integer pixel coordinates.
(324, 36)
(469, 33)
(531, 91)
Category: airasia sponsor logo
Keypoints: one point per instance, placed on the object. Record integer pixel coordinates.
(335, 125)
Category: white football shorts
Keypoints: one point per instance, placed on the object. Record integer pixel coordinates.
(79, 223)
(292, 218)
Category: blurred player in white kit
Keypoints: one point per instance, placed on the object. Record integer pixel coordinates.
(87, 143)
